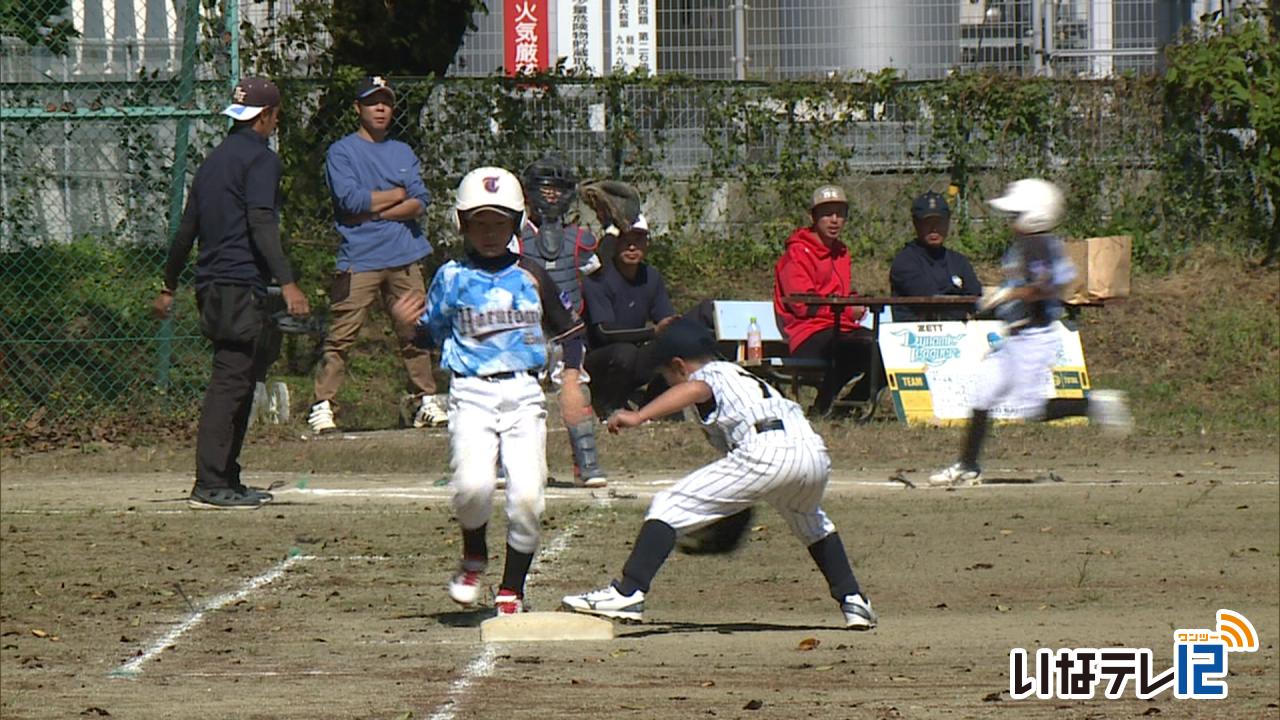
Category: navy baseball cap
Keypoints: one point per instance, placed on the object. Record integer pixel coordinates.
(683, 338)
(930, 204)
(250, 97)
(374, 84)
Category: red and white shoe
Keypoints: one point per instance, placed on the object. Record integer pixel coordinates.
(464, 586)
(508, 603)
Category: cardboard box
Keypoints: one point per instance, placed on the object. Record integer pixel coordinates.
(1102, 269)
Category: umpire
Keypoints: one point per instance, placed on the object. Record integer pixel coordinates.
(233, 208)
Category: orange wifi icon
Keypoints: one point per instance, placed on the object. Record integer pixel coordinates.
(1236, 631)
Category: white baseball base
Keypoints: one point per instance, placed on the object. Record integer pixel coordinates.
(542, 626)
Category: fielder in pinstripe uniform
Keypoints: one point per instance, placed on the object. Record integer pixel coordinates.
(492, 313)
(772, 455)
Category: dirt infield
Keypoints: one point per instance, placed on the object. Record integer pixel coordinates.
(330, 604)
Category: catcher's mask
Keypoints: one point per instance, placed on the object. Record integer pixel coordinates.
(550, 172)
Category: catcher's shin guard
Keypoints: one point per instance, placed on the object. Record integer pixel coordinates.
(586, 460)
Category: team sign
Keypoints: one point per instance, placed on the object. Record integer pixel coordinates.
(932, 368)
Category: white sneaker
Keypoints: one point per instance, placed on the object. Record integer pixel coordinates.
(431, 413)
(858, 614)
(607, 602)
(321, 418)
(464, 586)
(591, 479)
(957, 475)
(1110, 409)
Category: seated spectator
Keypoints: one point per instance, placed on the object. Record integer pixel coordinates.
(816, 262)
(622, 299)
(926, 267)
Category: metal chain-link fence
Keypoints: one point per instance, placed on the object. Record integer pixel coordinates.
(105, 109)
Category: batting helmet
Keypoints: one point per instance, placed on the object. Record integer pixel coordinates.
(1037, 205)
(488, 188)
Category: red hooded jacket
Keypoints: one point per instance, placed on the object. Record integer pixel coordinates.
(809, 267)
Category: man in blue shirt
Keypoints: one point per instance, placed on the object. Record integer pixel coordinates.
(234, 210)
(926, 267)
(378, 196)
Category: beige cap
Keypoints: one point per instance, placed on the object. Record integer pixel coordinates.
(828, 194)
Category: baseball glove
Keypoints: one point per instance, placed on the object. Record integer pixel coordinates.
(720, 537)
(618, 202)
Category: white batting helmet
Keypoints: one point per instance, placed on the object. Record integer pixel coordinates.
(489, 188)
(1037, 205)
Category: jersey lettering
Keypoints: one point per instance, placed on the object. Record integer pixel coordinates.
(482, 323)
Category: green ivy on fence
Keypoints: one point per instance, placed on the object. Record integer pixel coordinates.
(1184, 159)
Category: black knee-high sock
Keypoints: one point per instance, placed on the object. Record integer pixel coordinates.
(829, 554)
(979, 423)
(516, 570)
(654, 543)
(474, 545)
(1065, 407)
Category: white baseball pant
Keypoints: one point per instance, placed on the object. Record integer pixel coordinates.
(492, 419)
(1015, 373)
(789, 473)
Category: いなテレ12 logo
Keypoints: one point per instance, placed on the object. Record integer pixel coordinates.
(1199, 669)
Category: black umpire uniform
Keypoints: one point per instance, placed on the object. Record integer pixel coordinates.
(233, 208)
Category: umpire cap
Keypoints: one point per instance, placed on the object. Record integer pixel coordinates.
(250, 97)
(683, 338)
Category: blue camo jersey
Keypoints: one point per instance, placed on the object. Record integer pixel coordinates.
(1040, 261)
(490, 321)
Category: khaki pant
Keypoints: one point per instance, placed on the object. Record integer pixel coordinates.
(351, 296)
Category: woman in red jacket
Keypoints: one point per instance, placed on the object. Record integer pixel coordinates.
(816, 262)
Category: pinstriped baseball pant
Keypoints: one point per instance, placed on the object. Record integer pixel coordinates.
(790, 474)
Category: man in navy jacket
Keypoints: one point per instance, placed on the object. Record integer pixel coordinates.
(925, 267)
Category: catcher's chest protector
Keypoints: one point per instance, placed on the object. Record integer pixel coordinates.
(558, 255)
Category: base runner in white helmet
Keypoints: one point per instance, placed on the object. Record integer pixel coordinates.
(492, 314)
(772, 455)
(1015, 374)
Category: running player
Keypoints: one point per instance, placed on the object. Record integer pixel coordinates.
(492, 313)
(1016, 374)
(772, 455)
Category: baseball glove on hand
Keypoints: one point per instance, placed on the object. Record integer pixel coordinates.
(618, 202)
(720, 537)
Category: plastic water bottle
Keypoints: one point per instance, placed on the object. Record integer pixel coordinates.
(755, 346)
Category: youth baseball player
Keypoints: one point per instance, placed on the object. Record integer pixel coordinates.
(492, 313)
(1015, 372)
(567, 253)
(772, 455)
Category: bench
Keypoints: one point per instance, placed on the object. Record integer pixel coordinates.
(732, 317)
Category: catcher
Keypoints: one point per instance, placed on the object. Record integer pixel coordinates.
(772, 455)
(1016, 373)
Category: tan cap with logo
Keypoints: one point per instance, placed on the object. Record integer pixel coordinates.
(828, 194)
